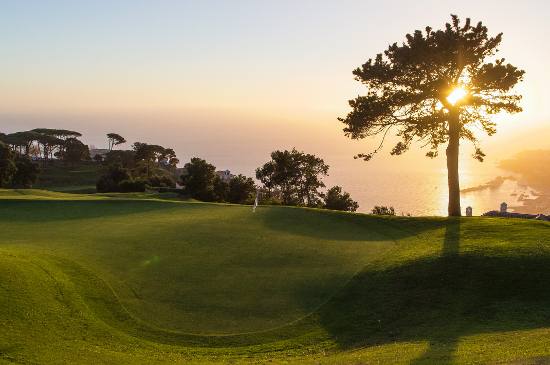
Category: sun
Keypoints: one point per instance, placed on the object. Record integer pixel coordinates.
(456, 95)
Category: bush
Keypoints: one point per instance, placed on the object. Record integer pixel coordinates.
(105, 184)
(383, 210)
(269, 201)
(130, 186)
(162, 181)
(336, 200)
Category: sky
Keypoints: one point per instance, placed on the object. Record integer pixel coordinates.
(231, 81)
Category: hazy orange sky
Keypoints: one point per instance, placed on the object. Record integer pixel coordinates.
(235, 80)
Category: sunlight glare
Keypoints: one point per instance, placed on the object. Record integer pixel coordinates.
(456, 95)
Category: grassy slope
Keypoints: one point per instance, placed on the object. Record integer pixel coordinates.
(66, 178)
(81, 178)
(447, 290)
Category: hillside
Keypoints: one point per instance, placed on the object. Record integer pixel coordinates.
(136, 278)
(64, 177)
(81, 178)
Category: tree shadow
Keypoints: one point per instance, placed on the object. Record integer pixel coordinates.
(442, 299)
(443, 351)
(451, 242)
(21, 210)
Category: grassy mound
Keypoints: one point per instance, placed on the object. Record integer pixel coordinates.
(137, 279)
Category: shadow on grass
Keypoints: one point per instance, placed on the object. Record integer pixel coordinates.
(451, 247)
(332, 225)
(442, 299)
(20, 210)
(435, 299)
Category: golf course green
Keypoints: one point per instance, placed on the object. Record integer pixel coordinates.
(147, 278)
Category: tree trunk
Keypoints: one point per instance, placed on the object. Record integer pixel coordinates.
(452, 163)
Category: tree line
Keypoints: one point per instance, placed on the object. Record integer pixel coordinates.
(295, 178)
(134, 170)
(17, 168)
(290, 178)
(46, 144)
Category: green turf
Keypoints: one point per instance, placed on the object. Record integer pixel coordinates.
(146, 278)
(67, 178)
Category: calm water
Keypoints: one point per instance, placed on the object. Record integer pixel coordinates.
(411, 184)
(419, 186)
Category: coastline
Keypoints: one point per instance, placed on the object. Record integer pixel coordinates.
(537, 205)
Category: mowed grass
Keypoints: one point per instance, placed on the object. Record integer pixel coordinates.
(136, 279)
(67, 178)
(197, 268)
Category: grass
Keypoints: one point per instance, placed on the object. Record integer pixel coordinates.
(139, 279)
(66, 178)
(82, 178)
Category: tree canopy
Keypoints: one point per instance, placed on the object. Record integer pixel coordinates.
(203, 183)
(336, 200)
(114, 140)
(240, 188)
(296, 174)
(7, 164)
(146, 155)
(74, 150)
(411, 89)
(199, 179)
(27, 171)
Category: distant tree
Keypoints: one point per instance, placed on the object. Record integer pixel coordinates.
(7, 164)
(435, 88)
(48, 144)
(22, 141)
(383, 210)
(62, 134)
(59, 136)
(265, 175)
(98, 158)
(126, 157)
(114, 140)
(170, 156)
(220, 189)
(162, 181)
(75, 151)
(296, 174)
(336, 200)
(240, 188)
(309, 179)
(146, 156)
(27, 171)
(116, 174)
(199, 179)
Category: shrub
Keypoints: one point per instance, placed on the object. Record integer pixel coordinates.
(130, 186)
(383, 210)
(336, 200)
(269, 201)
(162, 181)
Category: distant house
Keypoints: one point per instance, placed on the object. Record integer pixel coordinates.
(226, 175)
(180, 171)
(101, 152)
(164, 165)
